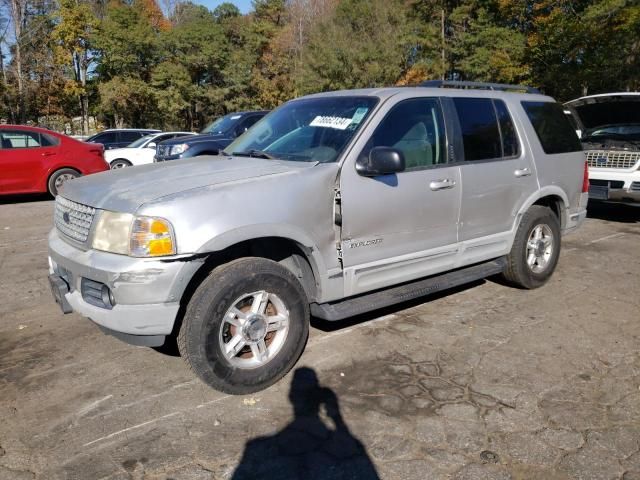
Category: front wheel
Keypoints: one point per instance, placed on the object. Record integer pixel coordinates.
(536, 249)
(245, 326)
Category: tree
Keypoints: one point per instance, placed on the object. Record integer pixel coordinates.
(75, 28)
(363, 44)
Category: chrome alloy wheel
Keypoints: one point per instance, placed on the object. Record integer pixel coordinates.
(254, 329)
(118, 164)
(63, 178)
(540, 247)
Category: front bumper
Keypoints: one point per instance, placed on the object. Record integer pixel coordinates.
(147, 292)
(614, 185)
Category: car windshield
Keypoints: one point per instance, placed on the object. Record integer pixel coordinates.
(307, 130)
(140, 142)
(222, 124)
(624, 131)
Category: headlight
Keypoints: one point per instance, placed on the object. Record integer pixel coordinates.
(112, 232)
(151, 237)
(126, 234)
(178, 149)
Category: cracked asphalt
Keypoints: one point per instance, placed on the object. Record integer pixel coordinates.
(484, 382)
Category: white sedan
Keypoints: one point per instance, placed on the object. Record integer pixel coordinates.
(139, 152)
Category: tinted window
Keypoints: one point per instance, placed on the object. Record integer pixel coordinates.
(554, 131)
(106, 137)
(24, 139)
(248, 123)
(415, 127)
(507, 130)
(480, 134)
(130, 136)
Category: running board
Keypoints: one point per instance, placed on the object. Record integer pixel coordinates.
(351, 307)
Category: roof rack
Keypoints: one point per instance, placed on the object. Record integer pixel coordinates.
(505, 87)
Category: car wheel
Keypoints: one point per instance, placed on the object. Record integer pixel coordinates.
(536, 249)
(245, 326)
(120, 163)
(57, 179)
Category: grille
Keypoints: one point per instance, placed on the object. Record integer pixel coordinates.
(73, 219)
(162, 151)
(92, 293)
(612, 158)
(635, 186)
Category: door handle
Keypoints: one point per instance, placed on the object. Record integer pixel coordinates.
(48, 154)
(522, 172)
(442, 184)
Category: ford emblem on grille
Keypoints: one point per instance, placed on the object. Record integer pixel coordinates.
(65, 217)
(601, 160)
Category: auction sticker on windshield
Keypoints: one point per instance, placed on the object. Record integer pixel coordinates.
(339, 123)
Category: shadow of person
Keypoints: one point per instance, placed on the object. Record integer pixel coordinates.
(307, 448)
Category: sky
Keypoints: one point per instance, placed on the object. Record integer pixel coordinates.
(243, 5)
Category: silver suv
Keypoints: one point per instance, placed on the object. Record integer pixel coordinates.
(333, 205)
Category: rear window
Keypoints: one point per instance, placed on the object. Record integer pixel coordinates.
(554, 130)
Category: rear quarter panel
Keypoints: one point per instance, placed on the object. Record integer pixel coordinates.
(560, 174)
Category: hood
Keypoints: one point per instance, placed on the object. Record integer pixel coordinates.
(125, 190)
(607, 110)
(206, 137)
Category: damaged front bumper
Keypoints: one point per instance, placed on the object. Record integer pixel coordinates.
(134, 299)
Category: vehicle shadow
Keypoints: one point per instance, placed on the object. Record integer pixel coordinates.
(613, 212)
(170, 347)
(24, 198)
(316, 445)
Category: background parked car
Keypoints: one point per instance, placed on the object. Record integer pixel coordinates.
(37, 160)
(610, 127)
(212, 139)
(117, 138)
(141, 151)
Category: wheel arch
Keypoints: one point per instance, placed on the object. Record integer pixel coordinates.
(552, 197)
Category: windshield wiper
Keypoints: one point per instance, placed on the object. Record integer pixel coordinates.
(254, 154)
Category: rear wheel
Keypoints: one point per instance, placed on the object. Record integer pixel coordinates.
(120, 163)
(57, 179)
(245, 326)
(535, 250)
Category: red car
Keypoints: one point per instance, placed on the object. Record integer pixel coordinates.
(38, 160)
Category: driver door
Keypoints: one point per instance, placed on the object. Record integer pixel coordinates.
(397, 228)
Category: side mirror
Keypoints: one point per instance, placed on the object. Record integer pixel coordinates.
(151, 145)
(381, 161)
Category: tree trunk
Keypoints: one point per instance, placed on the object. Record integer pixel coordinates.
(444, 54)
(18, 11)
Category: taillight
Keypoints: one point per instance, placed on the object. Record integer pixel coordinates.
(585, 180)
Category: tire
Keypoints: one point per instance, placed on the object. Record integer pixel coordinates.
(119, 163)
(58, 177)
(210, 326)
(537, 222)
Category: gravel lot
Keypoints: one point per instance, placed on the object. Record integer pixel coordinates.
(486, 382)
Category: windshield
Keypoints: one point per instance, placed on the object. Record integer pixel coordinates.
(630, 131)
(222, 124)
(140, 142)
(308, 130)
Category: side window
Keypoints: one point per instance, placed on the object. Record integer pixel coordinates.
(480, 134)
(20, 139)
(107, 137)
(555, 132)
(416, 128)
(510, 147)
(130, 137)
